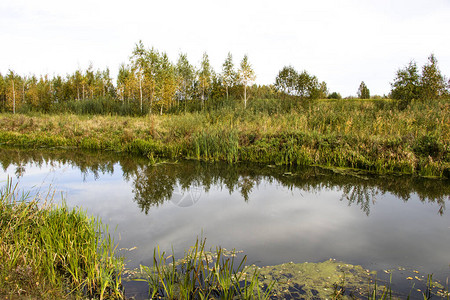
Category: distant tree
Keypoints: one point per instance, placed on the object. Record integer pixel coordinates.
(363, 91)
(90, 81)
(58, 89)
(432, 83)
(323, 90)
(246, 76)
(77, 82)
(166, 83)
(107, 84)
(123, 78)
(153, 59)
(335, 95)
(305, 85)
(286, 80)
(12, 78)
(204, 77)
(3, 88)
(313, 88)
(44, 93)
(228, 73)
(139, 64)
(33, 92)
(406, 85)
(186, 75)
(218, 89)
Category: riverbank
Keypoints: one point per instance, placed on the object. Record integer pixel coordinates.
(53, 252)
(371, 135)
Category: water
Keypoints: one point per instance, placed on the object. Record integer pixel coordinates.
(273, 214)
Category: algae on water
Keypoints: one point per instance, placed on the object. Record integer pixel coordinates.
(325, 280)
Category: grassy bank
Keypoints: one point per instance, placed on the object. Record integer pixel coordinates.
(372, 135)
(50, 252)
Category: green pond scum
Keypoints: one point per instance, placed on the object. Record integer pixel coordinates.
(217, 274)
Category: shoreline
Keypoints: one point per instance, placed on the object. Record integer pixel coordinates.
(377, 140)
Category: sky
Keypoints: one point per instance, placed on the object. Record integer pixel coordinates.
(342, 42)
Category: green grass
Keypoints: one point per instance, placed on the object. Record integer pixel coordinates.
(202, 274)
(53, 252)
(371, 135)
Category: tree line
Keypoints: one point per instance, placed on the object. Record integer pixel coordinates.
(148, 82)
(151, 83)
(410, 85)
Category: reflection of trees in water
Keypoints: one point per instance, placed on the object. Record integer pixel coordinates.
(361, 195)
(153, 185)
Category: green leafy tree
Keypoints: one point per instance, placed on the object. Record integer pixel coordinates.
(33, 92)
(185, 73)
(335, 95)
(153, 66)
(313, 88)
(306, 85)
(363, 91)
(228, 73)
(204, 77)
(166, 83)
(90, 81)
(3, 88)
(107, 84)
(406, 85)
(12, 77)
(77, 80)
(246, 76)
(123, 77)
(286, 80)
(58, 89)
(432, 83)
(323, 90)
(139, 64)
(44, 93)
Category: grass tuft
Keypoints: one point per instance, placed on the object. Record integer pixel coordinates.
(50, 251)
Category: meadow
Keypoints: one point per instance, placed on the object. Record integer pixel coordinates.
(379, 136)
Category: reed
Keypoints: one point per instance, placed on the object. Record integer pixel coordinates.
(372, 135)
(202, 274)
(50, 251)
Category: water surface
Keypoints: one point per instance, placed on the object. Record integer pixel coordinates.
(273, 214)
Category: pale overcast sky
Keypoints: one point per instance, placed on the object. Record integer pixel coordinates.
(341, 42)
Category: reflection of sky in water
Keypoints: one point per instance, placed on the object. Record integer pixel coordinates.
(276, 225)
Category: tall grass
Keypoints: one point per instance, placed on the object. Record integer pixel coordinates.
(50, 251)
(372, 135)
(202, 275)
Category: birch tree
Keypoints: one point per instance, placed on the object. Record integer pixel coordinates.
(12, 79)
(166, 83)
(186, 75)
(246, 76)
(228, 73)
(139, 64)
(204, 77)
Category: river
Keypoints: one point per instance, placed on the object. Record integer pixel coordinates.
(273, 214)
